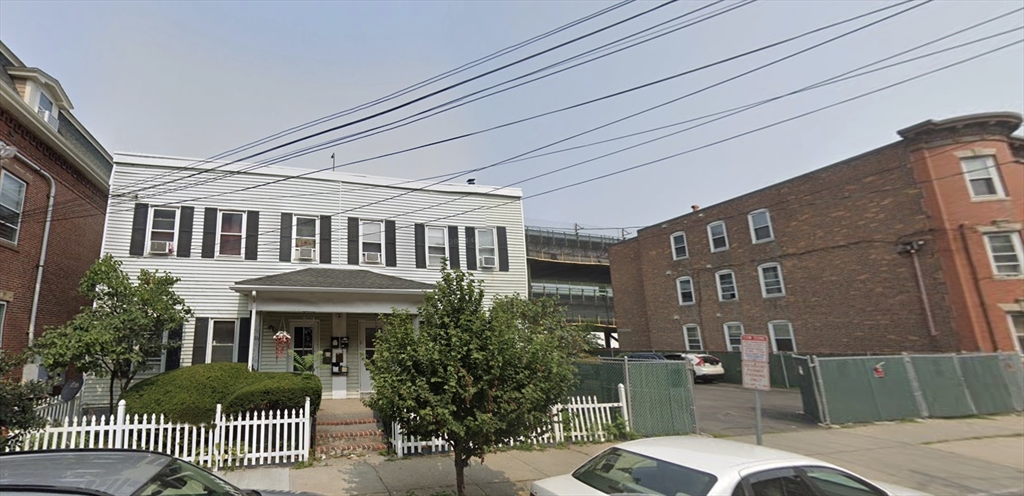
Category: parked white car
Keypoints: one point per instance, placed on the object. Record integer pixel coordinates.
(706, 368)
(697, 466)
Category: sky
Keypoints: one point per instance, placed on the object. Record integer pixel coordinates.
(195, 79)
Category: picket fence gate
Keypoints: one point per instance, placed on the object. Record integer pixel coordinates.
(582, 419)
(239, 440)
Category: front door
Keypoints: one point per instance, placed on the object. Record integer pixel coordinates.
(303, 340)
(367, 338)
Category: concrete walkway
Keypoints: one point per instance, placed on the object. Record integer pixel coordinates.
(978, 456)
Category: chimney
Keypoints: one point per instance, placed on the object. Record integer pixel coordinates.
(471, 180)
(695, 207)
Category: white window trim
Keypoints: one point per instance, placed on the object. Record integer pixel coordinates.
(735, 285)
(686, 337)
(764, 288)
(1009, 321)
(21, 214)
(771, 228)
(672, 245)
(209, 340)
(426, 245)
(725, 234)
(494, 236)
(1017, 248)
(295, 238)
(679, 293)
(292, 324)
(177, 226)
(993, 171)
(792, 335)
(383, 247)
(725, 330)
(220, 226)
(3, 316)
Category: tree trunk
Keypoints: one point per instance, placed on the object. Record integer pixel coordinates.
(460, 471)
(112, 376)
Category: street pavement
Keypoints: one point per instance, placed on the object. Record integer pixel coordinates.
(728, 410)
(962, 457)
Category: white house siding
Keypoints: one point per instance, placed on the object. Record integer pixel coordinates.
(205, 281)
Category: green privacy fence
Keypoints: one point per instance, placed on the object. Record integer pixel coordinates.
(659, 393)
(837, 390)
(782, 369)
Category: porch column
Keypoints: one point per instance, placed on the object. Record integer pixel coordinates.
(254, 327)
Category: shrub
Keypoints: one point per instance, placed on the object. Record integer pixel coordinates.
(191, 394)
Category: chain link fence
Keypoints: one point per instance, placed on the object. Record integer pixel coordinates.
(659, 393)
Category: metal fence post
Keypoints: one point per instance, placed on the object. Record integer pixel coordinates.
(963, 383)
(785, 373)
(629, 389)
(819, 384)
(922, 405)
(119, 441)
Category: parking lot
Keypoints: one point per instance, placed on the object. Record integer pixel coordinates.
(728, 410)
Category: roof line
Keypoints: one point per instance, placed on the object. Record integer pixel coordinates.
(313, 289)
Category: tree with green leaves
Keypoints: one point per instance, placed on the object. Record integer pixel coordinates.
(476, 378)
(124, 329)
(18, 401)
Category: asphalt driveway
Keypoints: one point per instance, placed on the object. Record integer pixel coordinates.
(728, 410)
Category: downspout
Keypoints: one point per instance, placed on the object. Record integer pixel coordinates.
(977, 286)
(924, 294)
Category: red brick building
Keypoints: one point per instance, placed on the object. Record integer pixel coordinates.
(914, 246)
(54, 182)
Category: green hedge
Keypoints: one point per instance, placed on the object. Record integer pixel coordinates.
(191, 394)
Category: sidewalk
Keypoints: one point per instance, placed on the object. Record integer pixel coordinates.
(978, 456)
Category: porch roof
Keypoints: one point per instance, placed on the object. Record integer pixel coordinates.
(318, 279)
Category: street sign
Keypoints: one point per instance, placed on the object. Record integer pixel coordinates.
(754, 348)
(755, 375)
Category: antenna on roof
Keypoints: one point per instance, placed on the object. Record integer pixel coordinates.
(332, 162)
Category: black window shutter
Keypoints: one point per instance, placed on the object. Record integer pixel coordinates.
(470, 248)
(252, 234)
(209, 232)
(140, 222)
(390, 244)
(285, 250)
(325, 239)
(353, 241)
(185, 231)
(199, 341)
(173, 360)
(502, 249)
(244, 330)
(421, 246)
(453, 247)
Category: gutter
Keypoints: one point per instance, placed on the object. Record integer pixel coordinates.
(292, 289)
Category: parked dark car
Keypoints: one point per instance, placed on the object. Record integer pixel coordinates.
(97, 472)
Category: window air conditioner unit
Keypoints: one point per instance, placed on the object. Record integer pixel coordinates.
(371, 257)
(160, 247)
(488, 262)
(304, 253)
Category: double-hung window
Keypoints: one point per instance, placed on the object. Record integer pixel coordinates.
(685, 288)
(1005, 251)
(781, 332)
(46, 111)
(162, 231)
(12, 201)
(726, 285)
(222, 340)
(1016, 326)
(982, 174)
(371, 241)
(304, 239)
(718, 237)
(760, 226)
(771, 280)
(679, 246)
(692, 334)
(733, 335)
(486, 248)
(437, 245)
(230, 238)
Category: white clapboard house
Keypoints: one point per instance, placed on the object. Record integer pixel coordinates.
(317, 255)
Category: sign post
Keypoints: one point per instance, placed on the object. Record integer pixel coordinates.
(755, 353)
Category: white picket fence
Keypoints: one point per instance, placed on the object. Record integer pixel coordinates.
(585, 420)
(55, 410)
(245, 439)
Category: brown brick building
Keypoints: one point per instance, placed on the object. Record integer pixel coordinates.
(914, 246)
(44, 251)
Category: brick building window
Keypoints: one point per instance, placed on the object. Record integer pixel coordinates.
(781, 332)
(692, 334)
(717, 236)
(12, 200)
(733, 335)
(1005, 251)
(726, 286)
(3, 313)
(162, 231)
(679, 246)
(1016, 326)
(760, 226)
(685, 287)
(982, 175)
(231, 233)
(771, 280)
